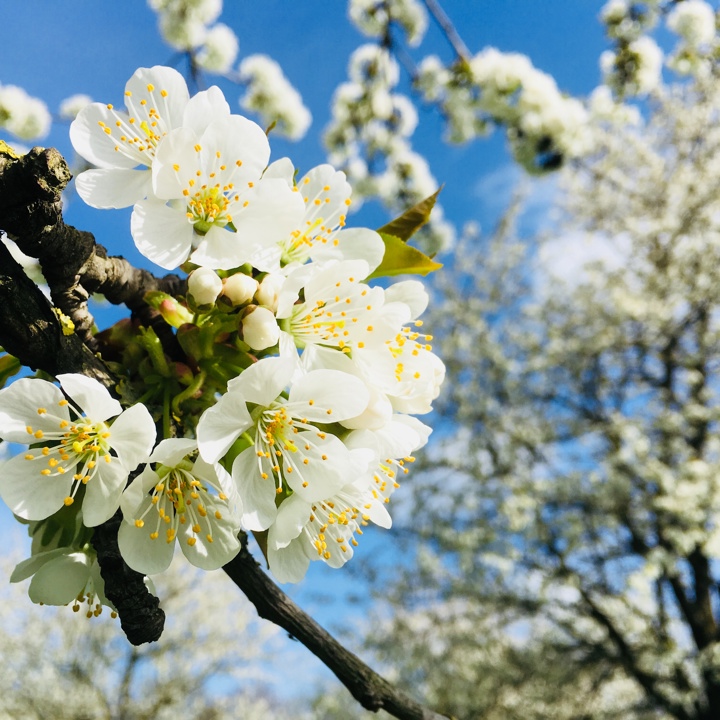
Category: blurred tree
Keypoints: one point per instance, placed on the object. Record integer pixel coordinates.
(55, 668)
(568, 530)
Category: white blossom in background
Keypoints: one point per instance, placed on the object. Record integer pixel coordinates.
(73, 447)
(184, 23)
(270, 95)
(693, 21)
(372, 17)
(71, 106)
(646, 61)
(369, 138)
(26, 117)
(219, 49)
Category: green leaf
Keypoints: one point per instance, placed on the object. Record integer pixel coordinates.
(9, 366)
(402, 259)
(405, 226)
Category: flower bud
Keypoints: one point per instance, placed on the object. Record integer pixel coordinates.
(204, 285)
(173, 312)
(239, 288)
(269, 291)
(259, 328)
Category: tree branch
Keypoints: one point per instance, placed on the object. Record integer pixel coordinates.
(367, 687)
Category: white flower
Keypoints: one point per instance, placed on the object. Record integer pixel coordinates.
(326, 529)
(123, 144)
(287, 449)
(321, 530)
(320, 235)
(118, 141)
(215, 198)
(70, 107)
(270, 94)
(183, 499)
(219, 50)
(24, 116)
(693, 20)
(649, 59)
(204, 286)
(74, 448)
(65, 575)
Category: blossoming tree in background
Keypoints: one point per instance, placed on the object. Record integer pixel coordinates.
(570, 567)
(269, 385)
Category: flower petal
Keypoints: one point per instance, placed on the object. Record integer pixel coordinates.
(29, 494)
(91, 141)
(26, 568)
(204, 108)
(220, 425)
(113, 187)
(132, 436)
(102, 493)
(263, 381)
(165, 92)
(171, 451)
(290, 563)
(90, 396)
(161, 233)
(224, 546)
(19, 405)
(329, 396)
(60, 581)
(258, 494)
(142, 553)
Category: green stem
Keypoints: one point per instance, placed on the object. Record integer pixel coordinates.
(189, 391)
(166, 414)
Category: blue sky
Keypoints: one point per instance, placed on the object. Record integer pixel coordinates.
(56, 49)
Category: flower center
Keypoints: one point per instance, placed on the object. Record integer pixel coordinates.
(180, 499)
(77, 448)
(207, 207)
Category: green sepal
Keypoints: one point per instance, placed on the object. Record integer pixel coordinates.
(407, 224)
(402, 259)
(9, 366)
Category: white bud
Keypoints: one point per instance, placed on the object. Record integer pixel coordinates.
(259, 328)
(239, 288)
(204, 285)
(268, 292)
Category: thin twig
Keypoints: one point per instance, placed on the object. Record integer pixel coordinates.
(446, 25)
(371, 690)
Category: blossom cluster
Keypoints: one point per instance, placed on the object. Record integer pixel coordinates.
(373, 17)
(290, 408)
(24, 116)
(190, 25)
(270, 94)
(370, 134)
(504, 88)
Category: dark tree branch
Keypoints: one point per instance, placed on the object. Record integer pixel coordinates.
(367, 687)
(31, 330)
(73, 264)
